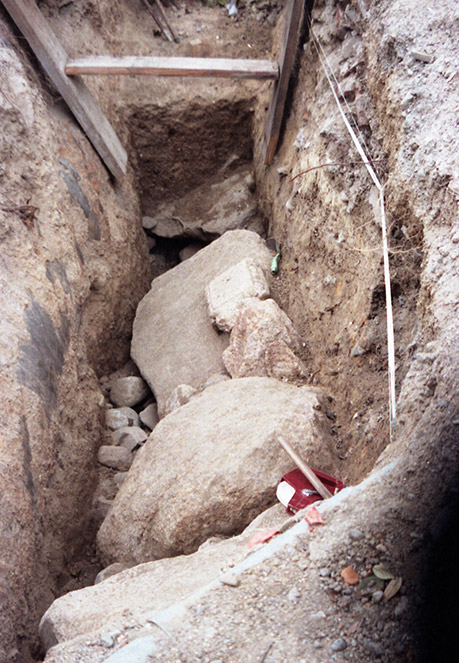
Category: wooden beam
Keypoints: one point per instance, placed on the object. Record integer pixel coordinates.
(53, 58)
(286, 60)
(158, 66)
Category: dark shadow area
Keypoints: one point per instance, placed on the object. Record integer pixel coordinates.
(438, 627)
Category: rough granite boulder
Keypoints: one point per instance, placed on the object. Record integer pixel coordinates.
(228, 293)
(174, 341)
(210, 211)
(146, 588)
(211, 466)
(263, 342)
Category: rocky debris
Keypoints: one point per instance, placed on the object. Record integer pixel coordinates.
(149, 416)
(117, 458)
(173, 315)
(189, 251)
(228, 293)
(263, 342)
(129, 369)
(181, 395)
(129, 437)
(131, 414)
(215, 379)
(128, 391)
(148, 223)
(225, 437)
(116, 418)
(145, 588)
(119, 478)
(110, 571)
(209, 212)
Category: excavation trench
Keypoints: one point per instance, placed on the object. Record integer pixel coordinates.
(198, 171)
(198, 175)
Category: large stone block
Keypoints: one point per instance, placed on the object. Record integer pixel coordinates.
(227, 293)
(146, 588)
(211, 466)
(174, 341)
(263, 342)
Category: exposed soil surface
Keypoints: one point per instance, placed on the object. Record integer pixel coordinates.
(181, 136)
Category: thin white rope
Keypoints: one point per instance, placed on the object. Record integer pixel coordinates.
(380, 187)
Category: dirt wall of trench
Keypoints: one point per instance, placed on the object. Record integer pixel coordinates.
(72, 268)
(393, 61)
(326, 219)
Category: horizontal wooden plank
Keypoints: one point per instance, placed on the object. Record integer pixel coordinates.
(162, 66)
(53, 58)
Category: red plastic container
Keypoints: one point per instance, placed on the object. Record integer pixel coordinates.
(305, 493)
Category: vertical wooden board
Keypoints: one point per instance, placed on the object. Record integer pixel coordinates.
(53, 58)
(286, 60)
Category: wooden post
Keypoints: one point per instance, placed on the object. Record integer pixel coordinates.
(53, 58)
(286, 61)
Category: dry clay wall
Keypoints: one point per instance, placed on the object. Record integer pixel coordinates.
(394, 63)
(72, 269)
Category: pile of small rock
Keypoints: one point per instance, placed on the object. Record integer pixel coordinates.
(127, 429)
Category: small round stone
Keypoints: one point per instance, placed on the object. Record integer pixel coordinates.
(356, 535)
(338, 645)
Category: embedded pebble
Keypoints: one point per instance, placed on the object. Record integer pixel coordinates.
(189, 251)
(374, 647)
(230, 580)
(116, 418)
(107, 640)
(109, 571)
(133, 417)
(377, 596)
(294, 594)
(129, 436)
(324, 572)
(118, 458)
(338, 645)
(356, 534)
(148, 222)
(318, 615)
